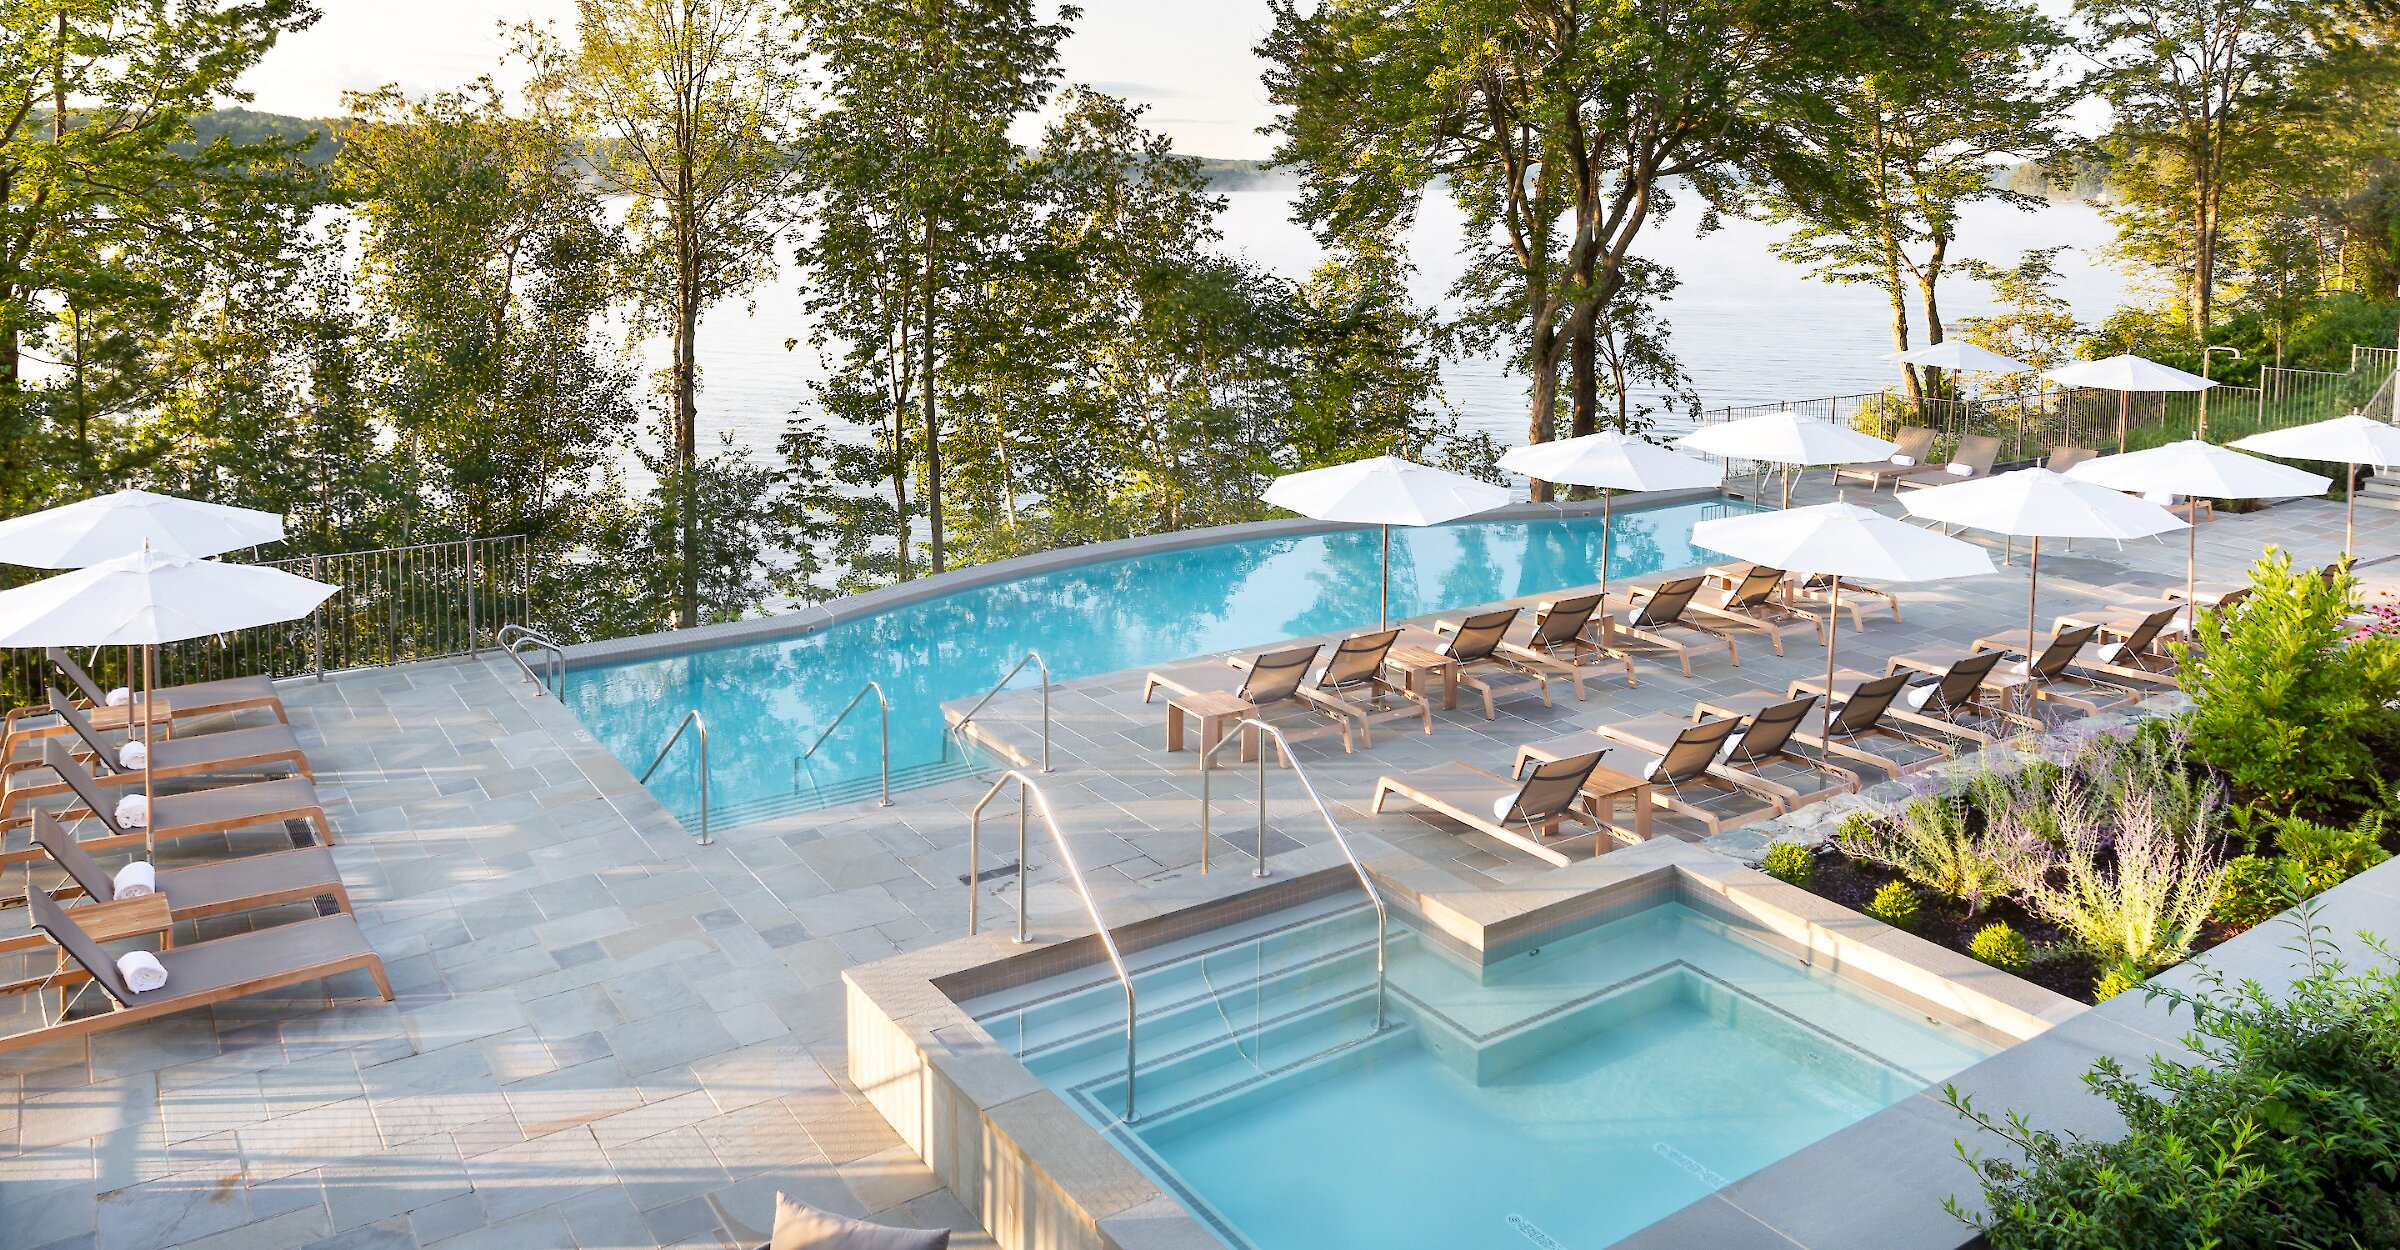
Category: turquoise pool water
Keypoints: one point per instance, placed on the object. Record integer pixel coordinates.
(766, 701)
(1564, 1098)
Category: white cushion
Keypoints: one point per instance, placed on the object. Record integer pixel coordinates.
(2163, 499)
(1903, 461)
(1955, 469)
(1501, 806)
(2110, 653)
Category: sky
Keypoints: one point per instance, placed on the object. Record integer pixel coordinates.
(1189, 61)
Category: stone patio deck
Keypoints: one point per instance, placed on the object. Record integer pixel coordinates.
(601, 1025)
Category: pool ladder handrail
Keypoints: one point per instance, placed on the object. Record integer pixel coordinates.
(884, 707)
(1031, 657)
(517, 639)
(1091, 906)
(1333, 826)
(691, 719)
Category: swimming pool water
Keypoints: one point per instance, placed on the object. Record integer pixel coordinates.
(1564, 1098)
(766, 701)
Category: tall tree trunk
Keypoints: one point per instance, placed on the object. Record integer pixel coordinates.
(1929, 301)
(900, 488)
(933, 433)
(685, 381)
(1541, 362)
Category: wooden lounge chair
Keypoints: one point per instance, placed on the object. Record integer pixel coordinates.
(1817, 588)
(1970, 691)
(198, 975)
(231, 694)
(1265, 681)
(263, 750)
(1556, 639)
(2053, 673)
(1869, 724)
(1976, 455)
(1479, 644)
(2066, 456)
(2133, 648)
(1912, 445)
(1753, 603)
(1758, 757)
(1351, 684)
(1686, 777)
(186, 814)
(197, 891)
(1494, 805)
(1657, 619)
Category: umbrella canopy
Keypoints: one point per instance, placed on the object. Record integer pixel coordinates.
(2195, 468)
(1612, 461)
(2127, 373)
(2039, 504)
(107, 526)
(1841, 540)
(1787, 438)
(2352, 440)
(152, 597)
(1959, 354)
(1385, 491)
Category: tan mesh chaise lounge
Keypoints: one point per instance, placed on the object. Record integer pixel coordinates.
(2065, 456)
(197, 891)
(1764, 754)
(1869, 725)
(2135, 648)
(1816, 588)
(231, 694)
(1477, 643)
(1911, 445)
(1752, 603)
(1351, 684)
(1267, 680)
(1657, 619)
(1491, 804)
(201, 974)
(1557, 638)
(187, 814)
(263, 750)
(1976, 454)
(2049, 675)
(1959, 697)
(1686, 778)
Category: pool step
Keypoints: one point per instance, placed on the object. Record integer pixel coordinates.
(1192, 1080)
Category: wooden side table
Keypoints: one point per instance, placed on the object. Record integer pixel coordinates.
(1214, 709)
(1415, 664)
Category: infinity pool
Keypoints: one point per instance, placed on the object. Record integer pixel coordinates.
(1561, 1099)
(766, 701)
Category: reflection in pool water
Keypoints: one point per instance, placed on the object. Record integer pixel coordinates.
(765, 701)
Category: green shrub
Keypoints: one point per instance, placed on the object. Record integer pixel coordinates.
(2278, 1132)
(2327, 856)
(2001, 947)
(2282, 706)
(1895, 904)
(2140, 900)
(2255, 888)
(2115, 981)
(1932, 844)
(1855, 827)
(1792, 862)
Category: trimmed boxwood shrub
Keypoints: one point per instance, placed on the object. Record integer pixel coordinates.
(2001, 947)
(1791, 862)
(1895, 904)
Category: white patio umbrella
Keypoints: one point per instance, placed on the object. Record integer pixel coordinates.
(2352, 440)
(1788, 439)
(1612, 461)
(149, 598)
(2039, 504)
(2193, 468)
(1384, 491)
(1839, 540)
(107, 526)
(2125, 375)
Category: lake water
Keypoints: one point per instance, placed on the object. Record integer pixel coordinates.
(1749, 327)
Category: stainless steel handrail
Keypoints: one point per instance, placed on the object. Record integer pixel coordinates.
(1091, 906)
(885, 704)
(1333, 826)
(1031, 657)
(690, 719)
(516, 639)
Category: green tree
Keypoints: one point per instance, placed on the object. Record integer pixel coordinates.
(913, 185)
(2034, 324)
(693, 107)
(105, 204)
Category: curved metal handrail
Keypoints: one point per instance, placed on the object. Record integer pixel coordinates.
(515, 640)
(690, 719)
(1031, 657)
(1091, 906)
(1374, 896)
(885, 704)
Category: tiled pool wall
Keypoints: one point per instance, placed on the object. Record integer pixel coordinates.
(1041, 1178)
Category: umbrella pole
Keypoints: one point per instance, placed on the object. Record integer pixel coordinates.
(1787, 486)
(2349, 509)
(1383, 603)
(1833, 636)
(149, 747)
(2033, 590)
(2121, 402)
(1608, 534)
(2191, 570)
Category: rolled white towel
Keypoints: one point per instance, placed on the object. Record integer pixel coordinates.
(2020, 668)
(2164, 499)
(1502, 806)
(133, 811)
(136, 879)
(134, 755)
(2112, 652)
(141, 971)
(1955, 469)
(1904, 461)
(1919, 696)
(119, 697)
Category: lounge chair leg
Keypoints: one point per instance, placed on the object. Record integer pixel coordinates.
(382, 981)
(1375, 807)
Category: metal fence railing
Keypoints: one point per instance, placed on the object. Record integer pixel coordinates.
(397, 604)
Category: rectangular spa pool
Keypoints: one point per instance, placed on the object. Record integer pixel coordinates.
(1562, 1098)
